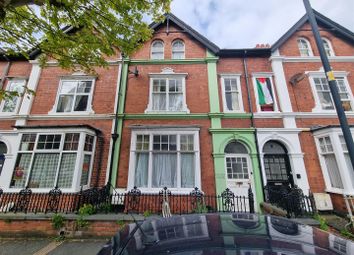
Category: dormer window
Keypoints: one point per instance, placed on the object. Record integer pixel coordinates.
(157, 50)
(328, 47)
(304, 47)
(178, 49)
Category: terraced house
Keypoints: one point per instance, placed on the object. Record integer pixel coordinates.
(185, 113)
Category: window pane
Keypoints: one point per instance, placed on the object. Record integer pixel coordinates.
(43, 170)
(176, 102)
(187, 170)
(27, 143)
(85, 170)
(66, 171)
(326, 100)
(11, 103)
(84, 87)
(187, 143)
(48, 142)
(333, 171)
(159, 102)
(164, 172)
(71, 142)
(65, 103)
(89, 143)
(81, 103)
(141, 169)
(68, 87)
(21, 170)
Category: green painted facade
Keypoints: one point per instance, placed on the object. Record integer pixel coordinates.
(222, 136)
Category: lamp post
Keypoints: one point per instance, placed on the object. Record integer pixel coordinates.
(332, 82)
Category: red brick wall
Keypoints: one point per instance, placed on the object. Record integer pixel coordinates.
(340, 47)
(312, 164)
(197, 96)
(193, 49)
(103, 94)
(42, 227)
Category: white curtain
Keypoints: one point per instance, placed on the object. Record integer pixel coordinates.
(176, 102)
(164, 170)
(44, 170)
(24, 161)
(159, 102)
(187, 170)
(350, 167)
(141, 169)
(66, 171)
(333, 171)
(65, 103)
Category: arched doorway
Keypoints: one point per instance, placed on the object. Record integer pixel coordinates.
(276, 165)
(3, 151)
(238, 168)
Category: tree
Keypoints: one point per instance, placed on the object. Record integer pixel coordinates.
(76, 33)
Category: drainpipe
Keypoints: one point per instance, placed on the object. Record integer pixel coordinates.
(252, 116)
(115, 135)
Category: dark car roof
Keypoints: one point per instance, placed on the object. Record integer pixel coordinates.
(228, 233)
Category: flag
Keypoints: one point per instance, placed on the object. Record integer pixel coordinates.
(264, 91)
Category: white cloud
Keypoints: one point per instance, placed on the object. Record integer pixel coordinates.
(243, 24)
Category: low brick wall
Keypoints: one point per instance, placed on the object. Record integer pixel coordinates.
(101, 226)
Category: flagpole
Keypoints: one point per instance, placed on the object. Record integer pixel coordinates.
(332, 82)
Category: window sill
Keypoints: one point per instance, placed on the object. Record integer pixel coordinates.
(167, 112)
(174, 191)
(334, 191)
(71, 113)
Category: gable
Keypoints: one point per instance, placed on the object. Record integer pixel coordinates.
(322, 21)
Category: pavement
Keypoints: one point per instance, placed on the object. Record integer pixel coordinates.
(9, 246)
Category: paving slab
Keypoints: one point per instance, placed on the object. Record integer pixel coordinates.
(79, 247)
(22, 246)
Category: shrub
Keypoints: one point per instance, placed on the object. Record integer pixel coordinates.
(58, 221)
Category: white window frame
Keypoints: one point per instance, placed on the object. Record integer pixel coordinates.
(329, 50)
(318, 108)
(238, 81)
(166, 131)
(346, 177)
(75, 187)
(309, 49)
(178, 51)
(19, 98)
(152, 50)
(264, 75)
(167, 73)
(89, 109)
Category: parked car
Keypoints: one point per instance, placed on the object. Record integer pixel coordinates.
(224, 233)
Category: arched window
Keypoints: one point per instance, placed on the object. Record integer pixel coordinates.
(235, 148)
(178, 49)
(328, 47)
(304, 47)
(3, 150)
(273, 147)
(157, 50)
(237, 162)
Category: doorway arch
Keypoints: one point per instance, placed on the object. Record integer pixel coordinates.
(277, 165)
(3, 151)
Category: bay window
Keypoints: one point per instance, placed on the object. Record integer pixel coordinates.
(47, 160)
(335, 162)
(161, 158)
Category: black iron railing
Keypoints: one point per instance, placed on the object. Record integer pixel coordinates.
(292, 200)
(106, 199)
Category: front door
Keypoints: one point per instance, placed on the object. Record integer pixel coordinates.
(238, 173)
(278, 171)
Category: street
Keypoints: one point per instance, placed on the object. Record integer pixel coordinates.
(50, 246)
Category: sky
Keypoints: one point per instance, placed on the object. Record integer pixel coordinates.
(245, 23)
